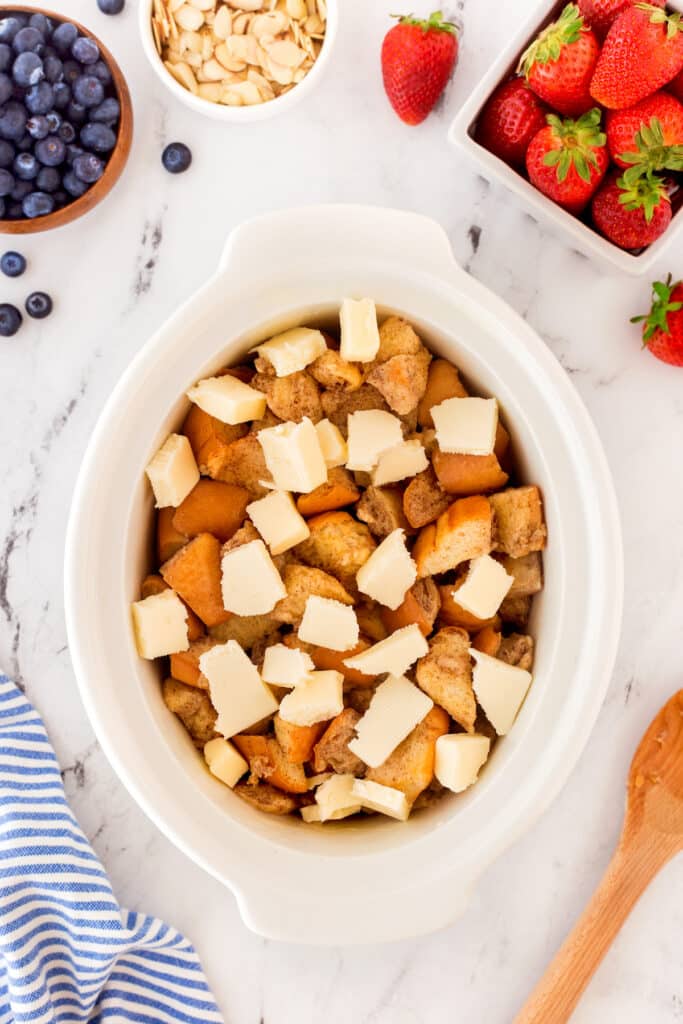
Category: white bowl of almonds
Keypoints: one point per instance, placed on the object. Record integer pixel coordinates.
(238, 60)
(193, 737)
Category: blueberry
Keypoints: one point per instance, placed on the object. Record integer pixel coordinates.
(66, 131)
(12, 263)
(88, 91)
(7, 153)
(28, 40)
(64, 36)
(39, 98)
(53, 120)
(88, 168)
(21, 190)
(26, 168)
(9, 28)
(48, 180)
(6, 56)
(176, 158)
(111, 6)
(38, 126)
(37, 204)
(6, 87)
(43, 24)
(101, 72)
(25, 143)
(85, 50)
(108, 111)
(51, 151)
(27, 70)
(6, 182)
(98, 137)
(72, 71)
(62, 95)
(12, 121)
(10, 319)
(76, 112)
(72, 152)
(38, 305)
(73, 185)
(53, 68)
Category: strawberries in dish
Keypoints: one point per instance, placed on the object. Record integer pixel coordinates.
(418, 57)
(600, 14)
(642, 52)
(568, 159)
(559, 64)
(650, 132)
(632, 214)
(663, 325)
(509, 121)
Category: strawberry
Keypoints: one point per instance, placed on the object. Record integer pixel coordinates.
(648, 133)
(559, 64)
(600, 14)
(418, 58)
(510, 120)
(567, 160)
(642, 52)
(663, 325)
(632, 214)
(675, 86)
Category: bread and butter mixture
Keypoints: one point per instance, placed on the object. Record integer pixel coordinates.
(346, 569)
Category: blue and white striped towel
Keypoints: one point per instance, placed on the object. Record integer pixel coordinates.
(68, 952)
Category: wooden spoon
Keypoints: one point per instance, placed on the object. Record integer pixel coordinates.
(651, 836)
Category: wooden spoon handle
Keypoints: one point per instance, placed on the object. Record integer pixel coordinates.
(629, 873)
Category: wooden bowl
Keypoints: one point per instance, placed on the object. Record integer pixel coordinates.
(117, 160)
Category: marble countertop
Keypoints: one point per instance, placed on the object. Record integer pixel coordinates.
(115, 277)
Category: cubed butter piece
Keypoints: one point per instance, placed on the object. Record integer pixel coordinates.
(224, 761)
(236, 689)
(500, 689)
(160, 625)
(371, 432)
(359, 330)
(484, 588)
(383, 799)
(335, 798)
(293, 456)
(459, 758)
(329, 623)
(228, 399)
(332, 444)
(395, 654)
(389, 571)
(292, 350)
(406, 459)
(466, 426)
(319, 699)
(397, 706)
(173, 472)
(250, 582)
(278, 521)
(286, 666)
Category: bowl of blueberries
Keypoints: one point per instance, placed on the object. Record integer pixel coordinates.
(66, 120)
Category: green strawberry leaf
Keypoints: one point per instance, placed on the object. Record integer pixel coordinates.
(651, 153)
(658, 317)
(548, 46)
(578, 140)
(659, 16)
(646, 191)
(434, 23)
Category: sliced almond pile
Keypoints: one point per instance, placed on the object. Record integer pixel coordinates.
(239, 52)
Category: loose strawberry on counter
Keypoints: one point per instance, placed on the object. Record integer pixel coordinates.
(418, 58)
(663, 325)
(642, 52)
(650, 132)
(559, 64)
(568, 159)
(509, 121)
(632, 213)
(600, 14)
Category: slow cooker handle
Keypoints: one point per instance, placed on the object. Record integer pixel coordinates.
(288, 241)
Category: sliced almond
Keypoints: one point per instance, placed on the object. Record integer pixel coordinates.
(273, 23)
(189, 18)
(243, 48)
(222, 26)
(278, 72)
(296, 9)
(191, 41)
(311, 6)
(203, 5)
(247, 92)
(230, 60)
(300, 75)
(286, 53)
(322, 9)
(314, 25)
(208, 46)
(262, 84)
(211, 91)
(213, 71)
(240, 24)
(194, 60)
(174, 5)
(182, 73)
(231, 98)
(246, 5)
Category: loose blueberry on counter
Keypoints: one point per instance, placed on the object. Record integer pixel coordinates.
(111, 6)
(38, 305)
(176, 158)
(12, 263)
(10, 319)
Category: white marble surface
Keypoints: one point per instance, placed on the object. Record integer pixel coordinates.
(117, 275)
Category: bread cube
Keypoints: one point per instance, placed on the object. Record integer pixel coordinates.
(338, 491)
(462, 532)
(424, 500)
(212, 507)
(194, 573)
(402, 380)
(445, 674)
(339, 545)
(519, 524)
(267, 761)
(443, 381)
(410, 767)
(332, 749)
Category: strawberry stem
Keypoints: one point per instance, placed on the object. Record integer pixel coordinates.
(658, 317)
(579, 139)
(644, 191)
(434, 23)
(658, 16)
(652, 153)
(548, 45)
